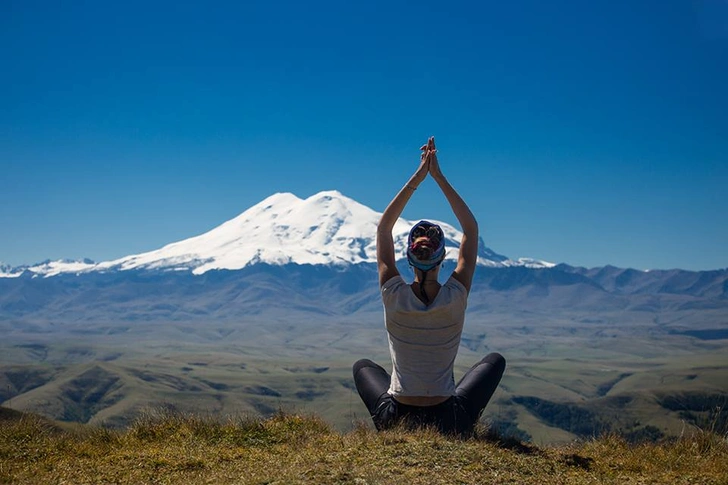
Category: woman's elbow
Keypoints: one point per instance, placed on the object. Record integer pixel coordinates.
(471, 229)
(383, 229)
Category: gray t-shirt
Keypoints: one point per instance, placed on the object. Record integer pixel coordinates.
(423, 339)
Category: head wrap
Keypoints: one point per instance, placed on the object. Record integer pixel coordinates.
(425, 246)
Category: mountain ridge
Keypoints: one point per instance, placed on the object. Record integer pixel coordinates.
(326, 228)
(306, 290)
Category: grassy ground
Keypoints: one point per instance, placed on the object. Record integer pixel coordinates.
(177, 448)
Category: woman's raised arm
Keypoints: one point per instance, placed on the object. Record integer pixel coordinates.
(468, 255)
(385, 242)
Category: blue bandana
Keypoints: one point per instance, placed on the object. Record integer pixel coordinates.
(434, 239)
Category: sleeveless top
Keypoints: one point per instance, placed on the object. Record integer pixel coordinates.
(423, 339)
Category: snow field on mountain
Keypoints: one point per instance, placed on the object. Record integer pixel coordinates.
(327, 228)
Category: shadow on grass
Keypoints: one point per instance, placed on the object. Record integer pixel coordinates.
(506, 442)
(576, 461)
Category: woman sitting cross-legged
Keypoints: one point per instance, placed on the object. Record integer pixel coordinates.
(424, 322)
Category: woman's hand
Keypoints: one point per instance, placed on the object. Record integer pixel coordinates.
(434, 163)
(429, 154)
(423, 169)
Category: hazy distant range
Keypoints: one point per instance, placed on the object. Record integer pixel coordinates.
(269, 310)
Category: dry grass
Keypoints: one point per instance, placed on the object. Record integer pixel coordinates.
(167, 448)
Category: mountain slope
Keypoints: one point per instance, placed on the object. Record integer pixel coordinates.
(303, 291)
(327, 228)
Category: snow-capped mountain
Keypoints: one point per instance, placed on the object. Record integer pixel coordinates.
(327, 228)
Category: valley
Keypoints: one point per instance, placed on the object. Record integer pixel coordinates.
(616, 366)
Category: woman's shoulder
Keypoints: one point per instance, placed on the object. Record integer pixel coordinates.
(453, 283)
(393, 283)
(456, 290)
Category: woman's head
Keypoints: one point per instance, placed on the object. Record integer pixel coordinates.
(425, 246)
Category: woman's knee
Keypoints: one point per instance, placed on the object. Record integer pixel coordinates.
(364, 363)
(496, 360)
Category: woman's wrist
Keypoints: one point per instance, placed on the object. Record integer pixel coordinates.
(414, 182)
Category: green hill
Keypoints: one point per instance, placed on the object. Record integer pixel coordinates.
(174, 448)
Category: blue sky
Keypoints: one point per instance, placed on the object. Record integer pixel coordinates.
(590, 133)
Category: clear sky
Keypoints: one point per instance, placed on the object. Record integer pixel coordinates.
(585, 132)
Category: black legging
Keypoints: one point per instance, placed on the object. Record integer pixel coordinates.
(472, 392)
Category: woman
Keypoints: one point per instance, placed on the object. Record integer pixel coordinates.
(424, 323)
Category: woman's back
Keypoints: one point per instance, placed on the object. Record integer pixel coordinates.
(423, 339)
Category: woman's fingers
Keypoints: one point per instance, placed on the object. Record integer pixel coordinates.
(428, 150)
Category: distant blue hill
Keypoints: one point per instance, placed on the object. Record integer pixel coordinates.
(329, 291)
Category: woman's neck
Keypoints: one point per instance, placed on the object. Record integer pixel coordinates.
(428, 277)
